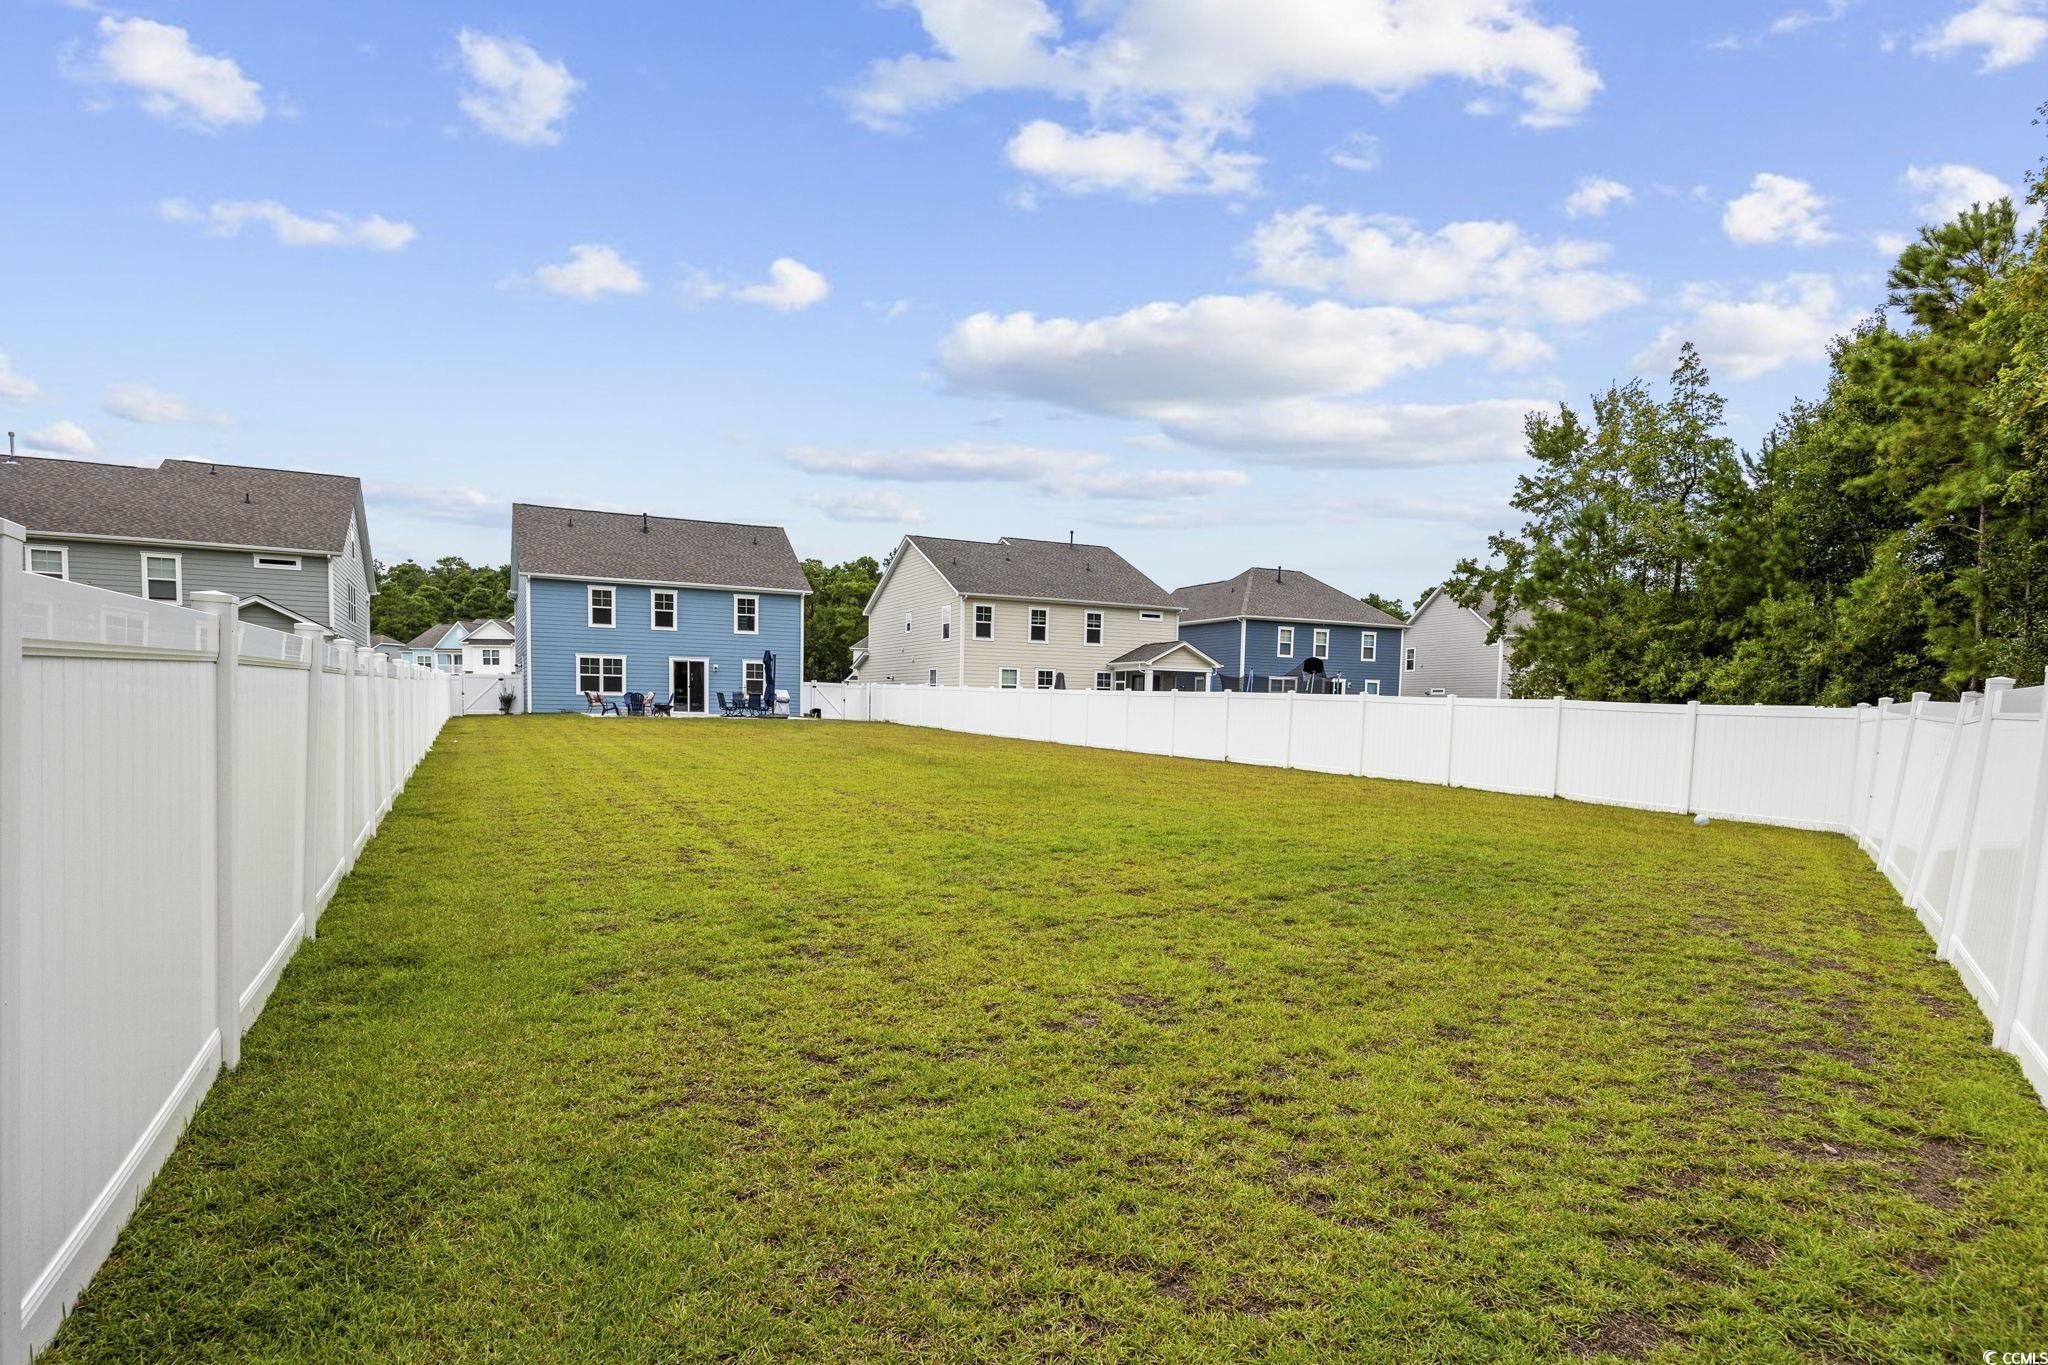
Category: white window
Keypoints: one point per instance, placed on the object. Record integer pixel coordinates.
(348, 601)
(487, 658)
(1368, 646)
(661, 609)
(1151, 616)
(1037, 634)
(1285, 649)
(1092, 628)
(602, 673)
(163, 578)
(931, 677)
(757, 677)
(1408, 661)
(984, 621)
(51, 561)
(1103, 682)
(1279, 684)
(1372, 687)
(746, 614)
(1338, 686)
(945, 623)
(1007, 678)
(1321, 644)
(602, 604)
(906, 623)
(1045, 678)
(277, 561)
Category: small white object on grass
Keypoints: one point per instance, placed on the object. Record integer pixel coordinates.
(1699, 819)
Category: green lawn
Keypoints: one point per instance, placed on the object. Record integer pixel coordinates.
(656, 1040)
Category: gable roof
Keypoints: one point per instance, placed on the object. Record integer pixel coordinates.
(570, 542)
(1146, 655)
(432, 636)
(1040, 571)
(380, 641)
(1484, 611)
(1277, 595)
(187, 502)
(485, 628)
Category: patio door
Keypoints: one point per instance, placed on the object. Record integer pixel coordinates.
(688, 679)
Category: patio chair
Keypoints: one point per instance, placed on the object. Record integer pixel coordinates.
(726, 708)
(636, 703)
(600, 704)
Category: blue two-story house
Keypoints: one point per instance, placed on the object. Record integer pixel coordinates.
(612, 602)
(1261, 625)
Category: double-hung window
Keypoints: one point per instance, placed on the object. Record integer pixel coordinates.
(603, 606)
(348, 601)
(1091, 630)
(931, 677)
(661, 609)
(984, 621)
(1368, 646)
(1280, 684)
(746, 614)
(1038, 629)
(1045, 679)
(1007, 678)
(1285, 648)
(163, 578)
(1372, 687)
(51, 561)
(601, 673)
(488, 658)
(1320, 643)
(757, 677)
(945, 625)
(1102, 682)
(1408, 661)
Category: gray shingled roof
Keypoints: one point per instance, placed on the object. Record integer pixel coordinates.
(1145, 654)
(1042, 571)
(192, 502)
(431, 637)
(1277, 595)
(472, 629)
(568, 542)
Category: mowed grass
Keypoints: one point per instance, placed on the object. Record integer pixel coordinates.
(643, 1040)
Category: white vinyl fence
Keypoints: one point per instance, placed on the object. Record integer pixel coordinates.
(1949, 798)
(179, 796)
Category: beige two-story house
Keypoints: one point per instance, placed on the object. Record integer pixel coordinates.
(1024, 613)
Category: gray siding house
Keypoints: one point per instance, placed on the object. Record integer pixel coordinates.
(1446, 652)
(293, 546)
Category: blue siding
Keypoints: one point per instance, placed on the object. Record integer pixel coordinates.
(1218, 639)
(559, 631)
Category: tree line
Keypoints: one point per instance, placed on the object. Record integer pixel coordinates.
(1887, 537)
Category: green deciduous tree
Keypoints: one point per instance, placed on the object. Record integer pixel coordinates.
(832, 614)
(411, 598)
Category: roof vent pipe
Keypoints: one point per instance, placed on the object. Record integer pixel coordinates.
(10, 449)
(246, 499)
(643, 523)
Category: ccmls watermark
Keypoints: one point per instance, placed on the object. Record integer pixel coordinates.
(2015, 1358)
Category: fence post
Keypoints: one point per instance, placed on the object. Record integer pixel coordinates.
(1287, 754)
(1227, 699)
(227, 1003)
(1172, 725)
(1884, 711)
(1556, 742)
(311, 639)
(344, 767)
(1364, 727)
(2026, 947)
(1850, 824)
(1891, 824)
(14, 1269)
(1692, 754)
(1450, 736)
(1955, 906)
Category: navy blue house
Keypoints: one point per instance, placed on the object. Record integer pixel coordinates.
(612, 602)
(1261, 625)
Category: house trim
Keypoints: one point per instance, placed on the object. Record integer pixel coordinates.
(666, 583)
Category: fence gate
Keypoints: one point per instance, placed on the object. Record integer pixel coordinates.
(480, 692)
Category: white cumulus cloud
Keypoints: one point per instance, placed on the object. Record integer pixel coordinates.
(1141, 162)
(1493, 266)
(791, 285)
(1325, 433)
(60, 438)
(1940, 193)
(1066, 473)
(592, 271)
(2007, 32)
(513, 92)
(461, 506)
(227, 218)
(1778, 209)
(141, 403)
(1594, 195)
(866, 505)
(16, 387)
(172, 79)
(1784, 322)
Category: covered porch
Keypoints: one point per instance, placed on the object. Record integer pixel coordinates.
(1166, 666)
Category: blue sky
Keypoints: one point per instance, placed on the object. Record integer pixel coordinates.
(1216, 284)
